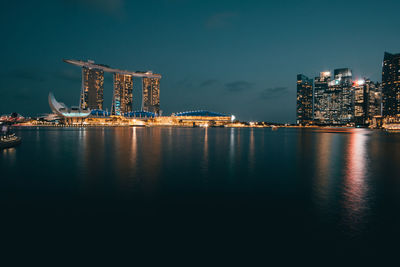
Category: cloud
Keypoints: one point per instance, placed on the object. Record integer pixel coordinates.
(274, 92)
(220, 20)
(209, 83)
(238, 86)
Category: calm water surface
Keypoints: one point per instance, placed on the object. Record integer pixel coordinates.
(335, 191)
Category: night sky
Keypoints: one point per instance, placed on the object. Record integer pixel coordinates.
(237, 57)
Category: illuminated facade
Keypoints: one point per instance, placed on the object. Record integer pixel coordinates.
(92, 88)
(322, 97)
(304, 110)
(375, 100)
(151, 95)
(343, 84)
(334, 99)
(391, 84)
(122, 97)
(361, 100)
(367, 101)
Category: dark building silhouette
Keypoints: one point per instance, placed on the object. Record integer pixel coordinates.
(391, 84)
(304, 99)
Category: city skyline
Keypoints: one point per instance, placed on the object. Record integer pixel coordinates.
(339, 99)
(232, 50)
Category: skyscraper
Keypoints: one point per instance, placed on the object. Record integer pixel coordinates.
(344, 83)
(304, 99)
(361, 101)
(151, 95)
(391, 84)
(334, 99)
(122, 97)
(92, 88)
(367, 101)
(322, 97)
(375, 100)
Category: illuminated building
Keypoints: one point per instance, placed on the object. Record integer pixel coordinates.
(151, 95)
(70, 115)
(334, 99)
(361, 101)
(344, 85)
(367, 101)
(122, 97)
(321, 97)
(336, 102)
(391, 84)
(375, 100)
(201, 118)
(304, 100)
(92, 88)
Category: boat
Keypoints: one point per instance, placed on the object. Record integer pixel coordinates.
(9, 141)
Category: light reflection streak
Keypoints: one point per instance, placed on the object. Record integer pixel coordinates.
(205, 151)
(355, 186)
(251, 151)
(232, 150)
(323, 169)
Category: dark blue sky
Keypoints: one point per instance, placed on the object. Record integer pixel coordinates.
(237, 57)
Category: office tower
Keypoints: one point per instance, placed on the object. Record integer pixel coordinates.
(391, 84)
(333, 99)
(375, 100)
(361, 102)
(367, 101)
(304, 100)
(341, 74)
(321, 97)
(344, 84)
(92, 88)
(151, 95)
(122, 97)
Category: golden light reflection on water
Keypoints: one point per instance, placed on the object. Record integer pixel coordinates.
(323, 169)
(355, 187)
(205, 151)
(232, 150)
(251, 157)
(9, 154)
(341, 173)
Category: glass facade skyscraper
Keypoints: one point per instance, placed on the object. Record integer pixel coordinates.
(322, 97)
(343, 85)
(151, 95)
(375, 100)
(391, 84)
(304, 100)
(122, 97)
(92, 89)
(361, 100)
